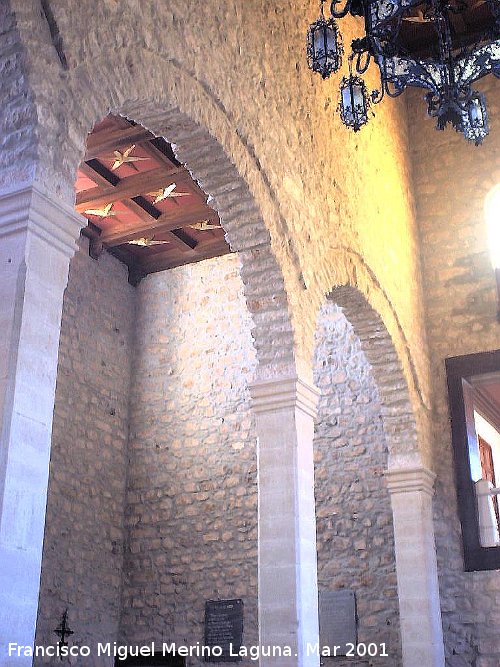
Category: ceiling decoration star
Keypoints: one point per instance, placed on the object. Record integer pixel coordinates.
(105, 212)
(145, 242)
(126, 158)
(164, 193)
(204, 225)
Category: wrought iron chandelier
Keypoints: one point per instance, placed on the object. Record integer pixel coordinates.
(444, 59)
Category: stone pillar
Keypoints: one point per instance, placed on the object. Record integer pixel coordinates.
(288, 591)
(37, 239)
(411, 491)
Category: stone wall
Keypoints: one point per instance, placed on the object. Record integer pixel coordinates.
(452, 179)
(84, 536)
(192, 484)
(354, 518)
(18, 113)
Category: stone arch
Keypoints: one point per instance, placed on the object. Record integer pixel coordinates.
(400, 427)
(161, 65)
(366, 425)
(245, 230)
(170, 101)
(354, 527)
(357, 289)
(347, 271)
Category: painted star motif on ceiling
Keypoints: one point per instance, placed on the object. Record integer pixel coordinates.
(145, 242)
(165, 193)
(126, 158)
(204, 225)
(104, 212)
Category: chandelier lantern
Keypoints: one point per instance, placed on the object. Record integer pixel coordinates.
(354, 102)
(324, 45)
(441, 46)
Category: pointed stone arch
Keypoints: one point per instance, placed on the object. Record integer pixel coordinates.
(356, 283)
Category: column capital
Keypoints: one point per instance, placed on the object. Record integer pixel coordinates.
(407, 480)
(51, 219)
(285, 392)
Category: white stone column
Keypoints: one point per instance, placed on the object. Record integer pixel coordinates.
(411, 491)
(288, 591)
(37, 239)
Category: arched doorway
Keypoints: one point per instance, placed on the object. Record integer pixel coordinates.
(367, 453)
(355, 535)
(268, 304)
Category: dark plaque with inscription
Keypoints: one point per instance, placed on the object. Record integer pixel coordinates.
(337, 621)
(223, 630)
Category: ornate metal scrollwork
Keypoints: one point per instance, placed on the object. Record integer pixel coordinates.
(446, 72)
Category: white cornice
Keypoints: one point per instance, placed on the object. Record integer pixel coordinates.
(287, 392)
(52, 220)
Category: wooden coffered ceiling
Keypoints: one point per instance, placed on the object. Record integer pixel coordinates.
(142, 205)
(470, 19)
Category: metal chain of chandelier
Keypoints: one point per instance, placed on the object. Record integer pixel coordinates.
(446, 67)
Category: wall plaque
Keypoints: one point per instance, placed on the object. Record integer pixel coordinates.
(224, 629)
(337, 620)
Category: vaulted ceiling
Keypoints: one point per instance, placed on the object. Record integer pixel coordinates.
(142, 205)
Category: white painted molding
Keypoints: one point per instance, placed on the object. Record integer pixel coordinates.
(288, 392)
(52, 220)
(409, 480)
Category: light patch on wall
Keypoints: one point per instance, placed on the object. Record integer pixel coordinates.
(294, 189)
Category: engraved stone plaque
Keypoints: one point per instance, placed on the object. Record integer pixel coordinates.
(224, 629)
(337, 620)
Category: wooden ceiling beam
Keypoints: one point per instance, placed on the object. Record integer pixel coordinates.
(132, 186)
(165, 223)
(162, 261)
(161, 157)
(87, 170)
(107, 141)
(186, 246)
(140, 267)
(157, 154)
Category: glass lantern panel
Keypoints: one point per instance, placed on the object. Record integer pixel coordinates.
(347, 102)
(476, 112)
(331, 40)
(358, 97)
(319, 42)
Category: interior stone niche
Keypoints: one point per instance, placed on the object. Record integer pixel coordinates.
(355, 539)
